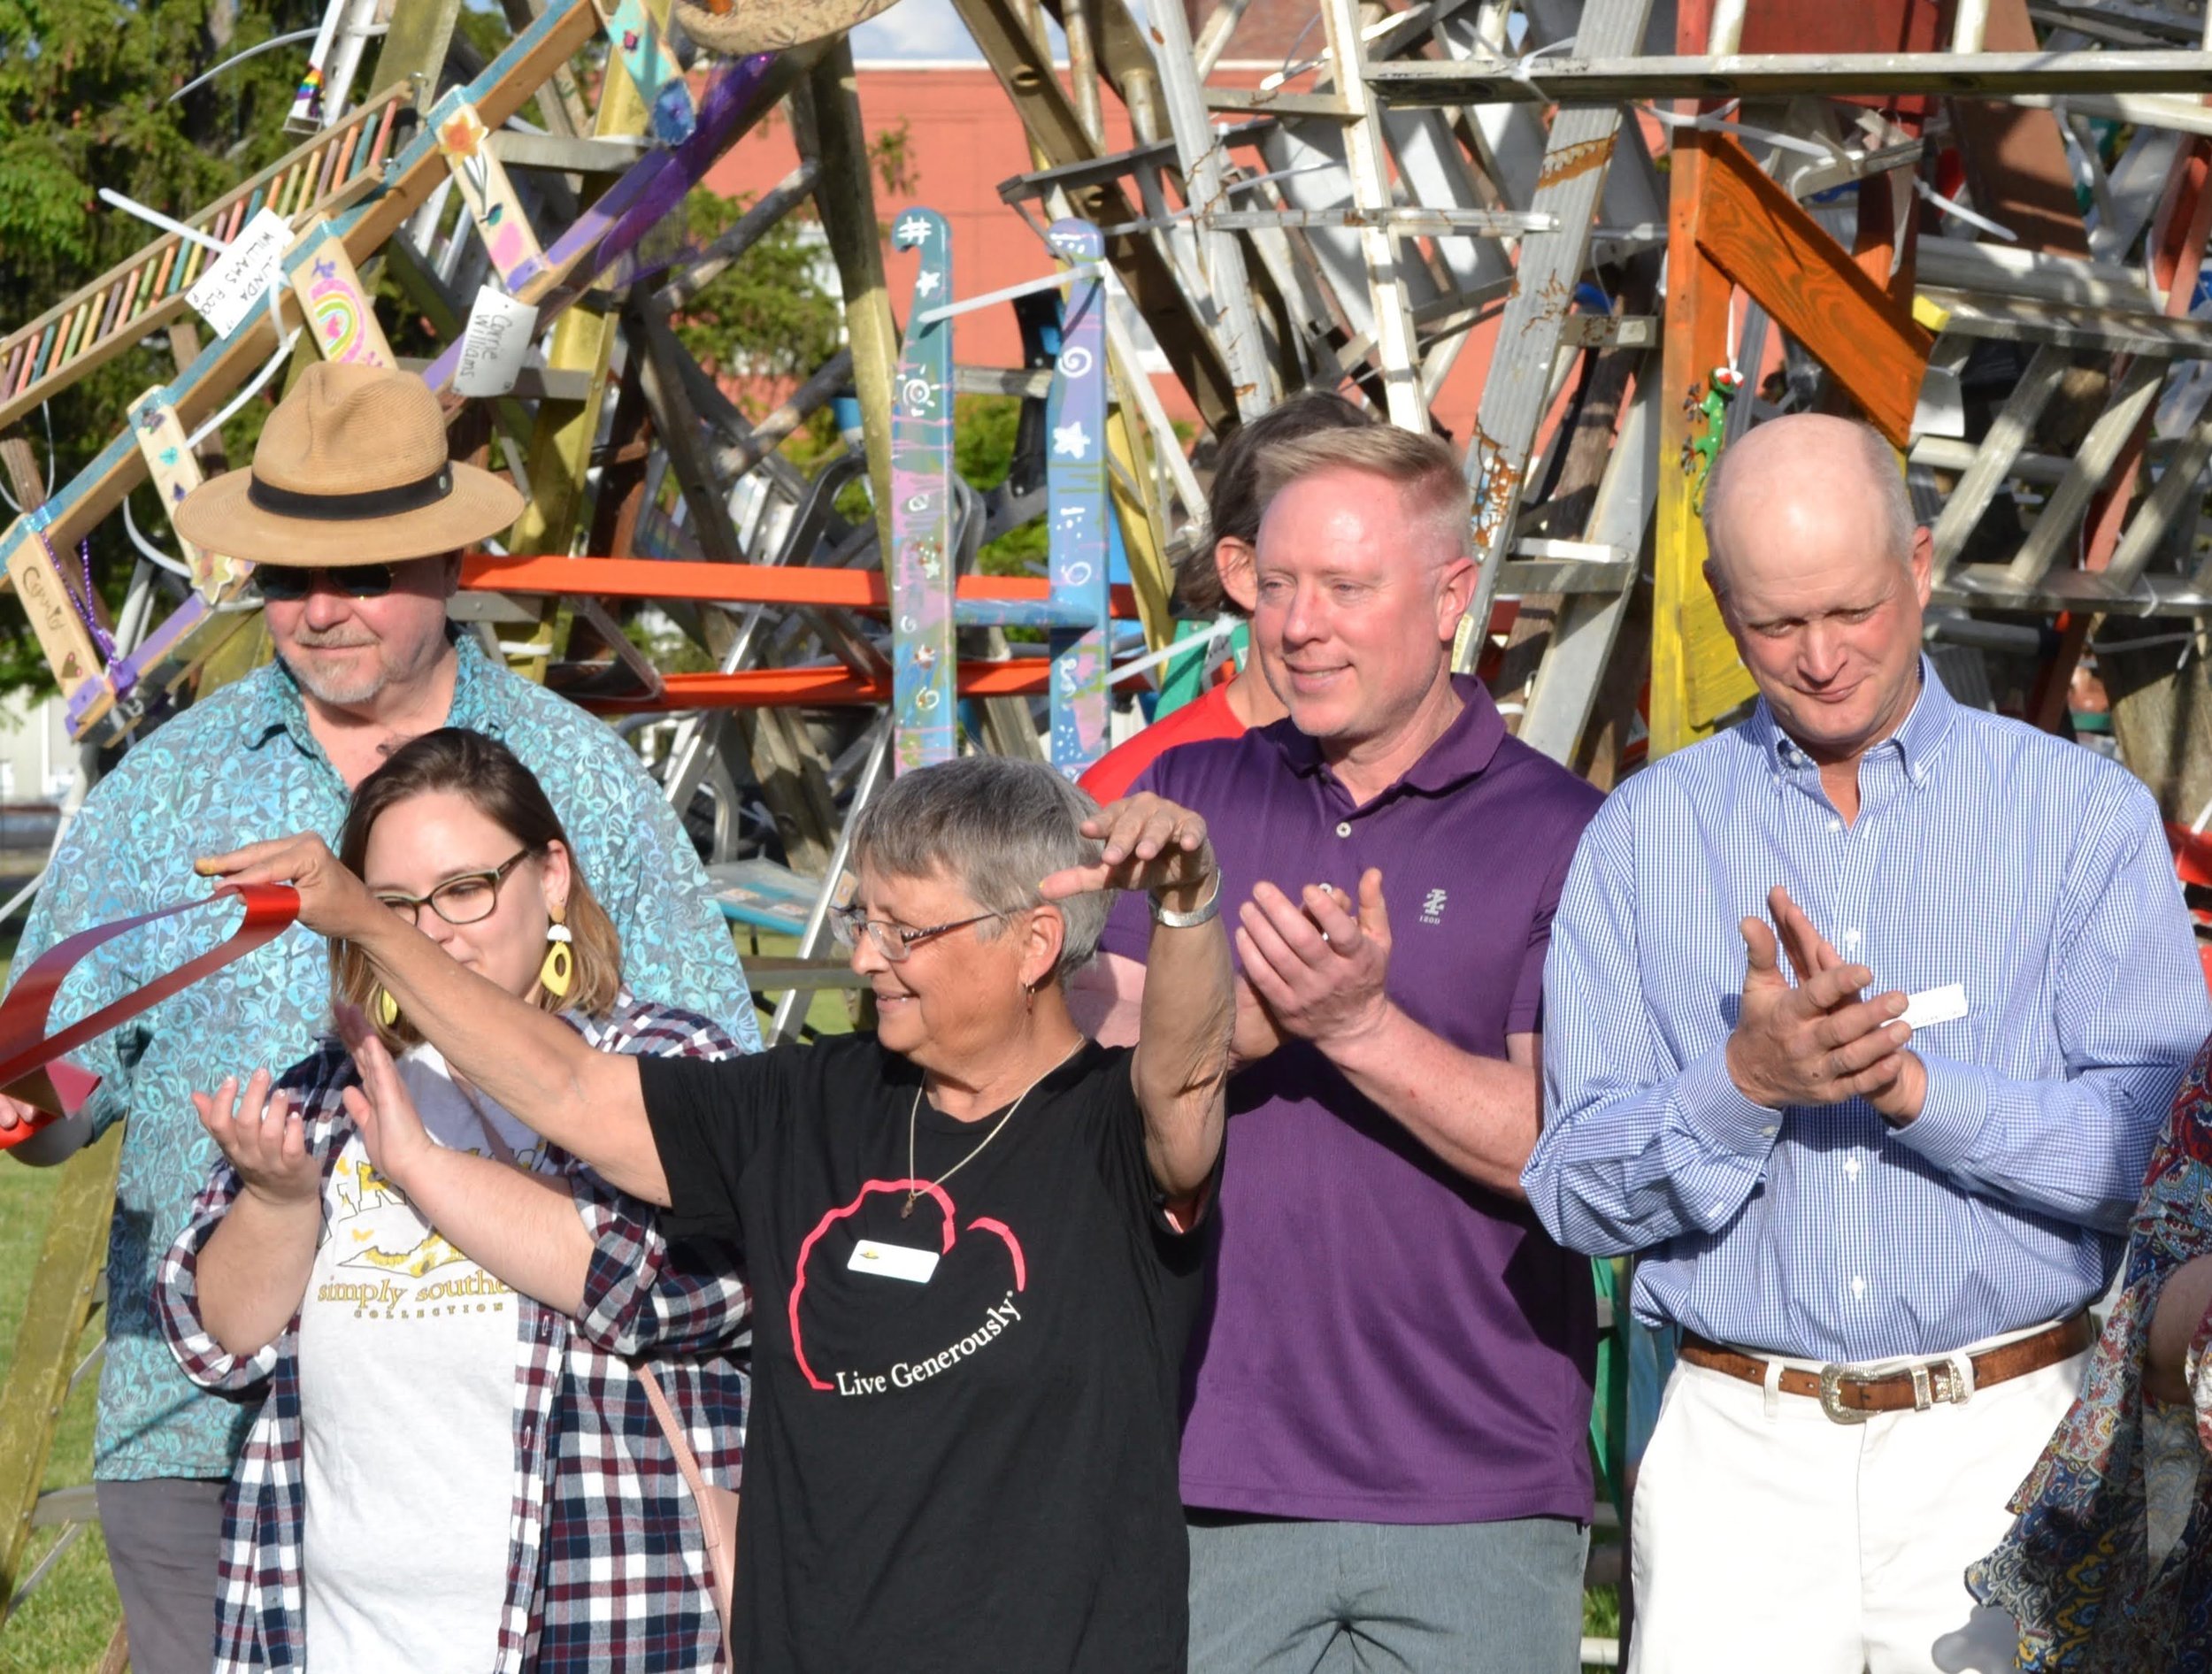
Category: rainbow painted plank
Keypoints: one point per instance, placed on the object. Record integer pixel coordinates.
(339, 316)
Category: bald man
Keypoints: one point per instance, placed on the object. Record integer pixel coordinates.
(1862, 1018)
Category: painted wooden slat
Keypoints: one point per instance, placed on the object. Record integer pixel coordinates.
(341, 316)
(1076, 513)
(1754, 231)
(922, 555)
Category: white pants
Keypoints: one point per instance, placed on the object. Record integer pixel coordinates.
(1769, 1537)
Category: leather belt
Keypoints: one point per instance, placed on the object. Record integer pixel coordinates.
(1852, 1395)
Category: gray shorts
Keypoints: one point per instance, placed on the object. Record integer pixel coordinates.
(1465, 1597)
(165, 1537)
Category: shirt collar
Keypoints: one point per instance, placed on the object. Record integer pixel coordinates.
(1917, 743)
(277, 706)
(1462, 750)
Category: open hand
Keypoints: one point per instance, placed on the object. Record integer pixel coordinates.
(332, 900)
(1150, 843)
(265, 1139)
(1817, 1043)
(1319, 970)
(391, 1128)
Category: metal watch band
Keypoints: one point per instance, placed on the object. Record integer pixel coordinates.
(1204, 912)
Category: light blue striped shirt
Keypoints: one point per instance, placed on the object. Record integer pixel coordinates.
(1986, 853)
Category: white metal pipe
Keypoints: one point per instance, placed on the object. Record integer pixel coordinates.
(1970, 25)
(1727, 35)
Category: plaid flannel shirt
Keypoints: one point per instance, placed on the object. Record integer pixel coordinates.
(606, 1567)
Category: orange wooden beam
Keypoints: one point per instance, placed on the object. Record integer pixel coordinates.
(1754, 231)
(733, 583)
(826, 688)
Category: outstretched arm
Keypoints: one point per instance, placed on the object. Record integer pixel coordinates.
(1181, 1063)
(588, 1102)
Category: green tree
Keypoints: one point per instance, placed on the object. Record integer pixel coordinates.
(84, 103)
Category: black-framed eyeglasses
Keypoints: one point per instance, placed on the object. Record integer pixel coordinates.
(894, 940)
(468, 899)
(289, 583)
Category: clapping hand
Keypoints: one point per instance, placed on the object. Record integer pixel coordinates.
(391, 1128)
(1817, 1043)
(1150, 843)
(1318, 969)
(265, 1139)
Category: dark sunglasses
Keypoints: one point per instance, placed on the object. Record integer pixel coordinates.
(355, 580)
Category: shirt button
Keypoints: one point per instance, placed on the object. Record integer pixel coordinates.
(1835, 825)
(1344, 828)
(1850, 938)
(1858, 1285)
(1851, 1168)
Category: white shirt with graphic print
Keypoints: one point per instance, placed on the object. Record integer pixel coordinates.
(407, 1354)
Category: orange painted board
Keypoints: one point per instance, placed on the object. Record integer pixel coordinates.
(732, 583)
(1755, 232)
(775, 687)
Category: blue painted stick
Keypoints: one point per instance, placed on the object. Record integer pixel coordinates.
(1076, 511)
(922, 558)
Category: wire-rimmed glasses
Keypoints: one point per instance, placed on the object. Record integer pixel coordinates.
(894, 941)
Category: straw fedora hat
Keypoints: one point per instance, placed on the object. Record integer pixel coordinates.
(739, 28)
(351, 468)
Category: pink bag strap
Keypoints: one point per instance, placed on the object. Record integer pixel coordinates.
(687, 1460)
(702, 1498)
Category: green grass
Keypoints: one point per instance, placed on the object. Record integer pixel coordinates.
(65, 1624)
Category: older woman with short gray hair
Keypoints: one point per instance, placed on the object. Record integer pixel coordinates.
(968, 1234)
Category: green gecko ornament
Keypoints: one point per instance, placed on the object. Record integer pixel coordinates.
(1699, 453)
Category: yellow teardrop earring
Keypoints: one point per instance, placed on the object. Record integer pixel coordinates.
(558, 972)
(386, 1007)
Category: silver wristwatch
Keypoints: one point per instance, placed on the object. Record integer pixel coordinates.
(1205, 912)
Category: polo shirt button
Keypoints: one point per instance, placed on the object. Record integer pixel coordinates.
(1344, 828)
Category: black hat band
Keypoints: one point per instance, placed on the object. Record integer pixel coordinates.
(347, 507)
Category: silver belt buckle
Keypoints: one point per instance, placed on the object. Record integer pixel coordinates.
(1832, 1377)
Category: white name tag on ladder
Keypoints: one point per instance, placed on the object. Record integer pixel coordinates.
(1932, 1006)
(893, 1260)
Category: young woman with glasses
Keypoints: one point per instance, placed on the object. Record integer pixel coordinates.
(971, 1232)
(458, 1333)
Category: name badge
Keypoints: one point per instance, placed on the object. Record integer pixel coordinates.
(1932, 1006)
(893, 1260)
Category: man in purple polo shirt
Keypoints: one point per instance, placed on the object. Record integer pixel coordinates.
(1383, 1454)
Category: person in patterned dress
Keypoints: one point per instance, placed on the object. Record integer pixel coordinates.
(456, 1330)
(2108, 1565)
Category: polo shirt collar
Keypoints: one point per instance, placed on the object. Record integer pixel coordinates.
(1917, 744)
(1461, 752)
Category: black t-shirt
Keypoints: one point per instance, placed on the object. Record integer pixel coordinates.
(974, 1470)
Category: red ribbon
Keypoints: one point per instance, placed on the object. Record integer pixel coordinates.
(25, 1048)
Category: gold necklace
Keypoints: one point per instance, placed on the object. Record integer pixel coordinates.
(914, 1193)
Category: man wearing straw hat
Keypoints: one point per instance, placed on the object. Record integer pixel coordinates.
(356, 519)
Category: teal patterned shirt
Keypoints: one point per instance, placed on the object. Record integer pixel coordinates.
(238, 768)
